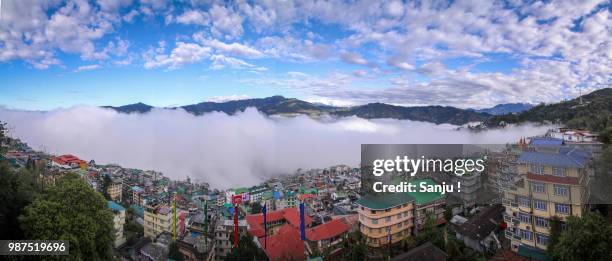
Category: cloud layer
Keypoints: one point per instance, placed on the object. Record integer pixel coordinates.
(239, 150)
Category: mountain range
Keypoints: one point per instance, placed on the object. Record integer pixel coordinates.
(279, 105)
(592, 113)
(506, 108)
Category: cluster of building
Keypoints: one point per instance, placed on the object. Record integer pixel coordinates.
(532, 181)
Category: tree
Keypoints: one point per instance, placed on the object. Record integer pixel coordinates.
(587, 238)
(71, 210)
(106, 183)
(246, 250)
(3, 138)
(355, 247)
(555, 233)
(17, 190)
(605, 135)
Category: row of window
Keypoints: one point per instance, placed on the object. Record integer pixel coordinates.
(541, 239)
(543, 205)
(386, 210)
(379, 230)
(539, 221)
(388, 219)
(539, 169)
(558, 190)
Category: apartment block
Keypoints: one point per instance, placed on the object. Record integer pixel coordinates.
(157, 219)
(386, 218)
(552, 182)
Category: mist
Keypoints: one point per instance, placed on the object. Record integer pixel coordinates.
(226, 151)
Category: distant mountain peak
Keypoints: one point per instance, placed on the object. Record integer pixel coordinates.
(280, 105)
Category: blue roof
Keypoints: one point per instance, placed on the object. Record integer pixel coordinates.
(566, 157)
(136, 188)
(138, 210)
(115, 206)
(548, 142)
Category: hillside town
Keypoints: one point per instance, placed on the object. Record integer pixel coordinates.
(503, 213)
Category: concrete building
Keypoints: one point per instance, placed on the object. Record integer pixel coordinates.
(223, 230)
(553, 181)
(115, 189)
(157, 219)
(427, 204)
(118, 222)
(385, 218)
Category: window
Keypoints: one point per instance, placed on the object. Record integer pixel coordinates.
(406, 214)
(388, 219)
(541, 222)
(537, 169)
(525, 218)
(399, 215)
(374, 221)
(561, 190)
(563, 208)
(559, 172)
(542, 239)
(524, 201)
(399, 225)
(538, 187)
(539, 205)
(526, 234)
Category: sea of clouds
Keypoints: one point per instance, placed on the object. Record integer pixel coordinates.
(226, 151)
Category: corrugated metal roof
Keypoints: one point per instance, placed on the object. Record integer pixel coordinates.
(566, 157)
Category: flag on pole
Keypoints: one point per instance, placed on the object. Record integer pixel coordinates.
(265, 211)
(235, 225)
(302, 226)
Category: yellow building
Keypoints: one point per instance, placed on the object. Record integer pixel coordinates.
(385, 218)
(552, 182)
(115, 189)
(157, 219)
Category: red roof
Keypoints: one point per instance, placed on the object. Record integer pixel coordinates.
(553, 179)
(67, 159)
(328, 230)
(290, 215)
(302, 197)
(284, 245)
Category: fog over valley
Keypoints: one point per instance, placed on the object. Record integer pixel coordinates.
(226, 151)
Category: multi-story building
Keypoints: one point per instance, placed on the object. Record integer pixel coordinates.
(157, 219)
(552, 182)
(385, 218)
(427, 204)
(115, 189)
(223, 230)
(118, 222)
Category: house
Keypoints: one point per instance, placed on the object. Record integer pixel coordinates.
(68, 162)
(327, 237)
(480, 231)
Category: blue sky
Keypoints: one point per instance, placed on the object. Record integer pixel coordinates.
(115, 52)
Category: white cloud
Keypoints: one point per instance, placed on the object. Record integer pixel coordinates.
(216, 148)
(87, 68)
(225, 22)
(196, 17)
(237, 49)
(353, 58)
(221, 61)
(182, 54)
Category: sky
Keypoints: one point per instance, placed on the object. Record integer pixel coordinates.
(60, 54)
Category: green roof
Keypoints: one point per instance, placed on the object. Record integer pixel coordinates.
(241, 190)
(384, 200)
(425, 197)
